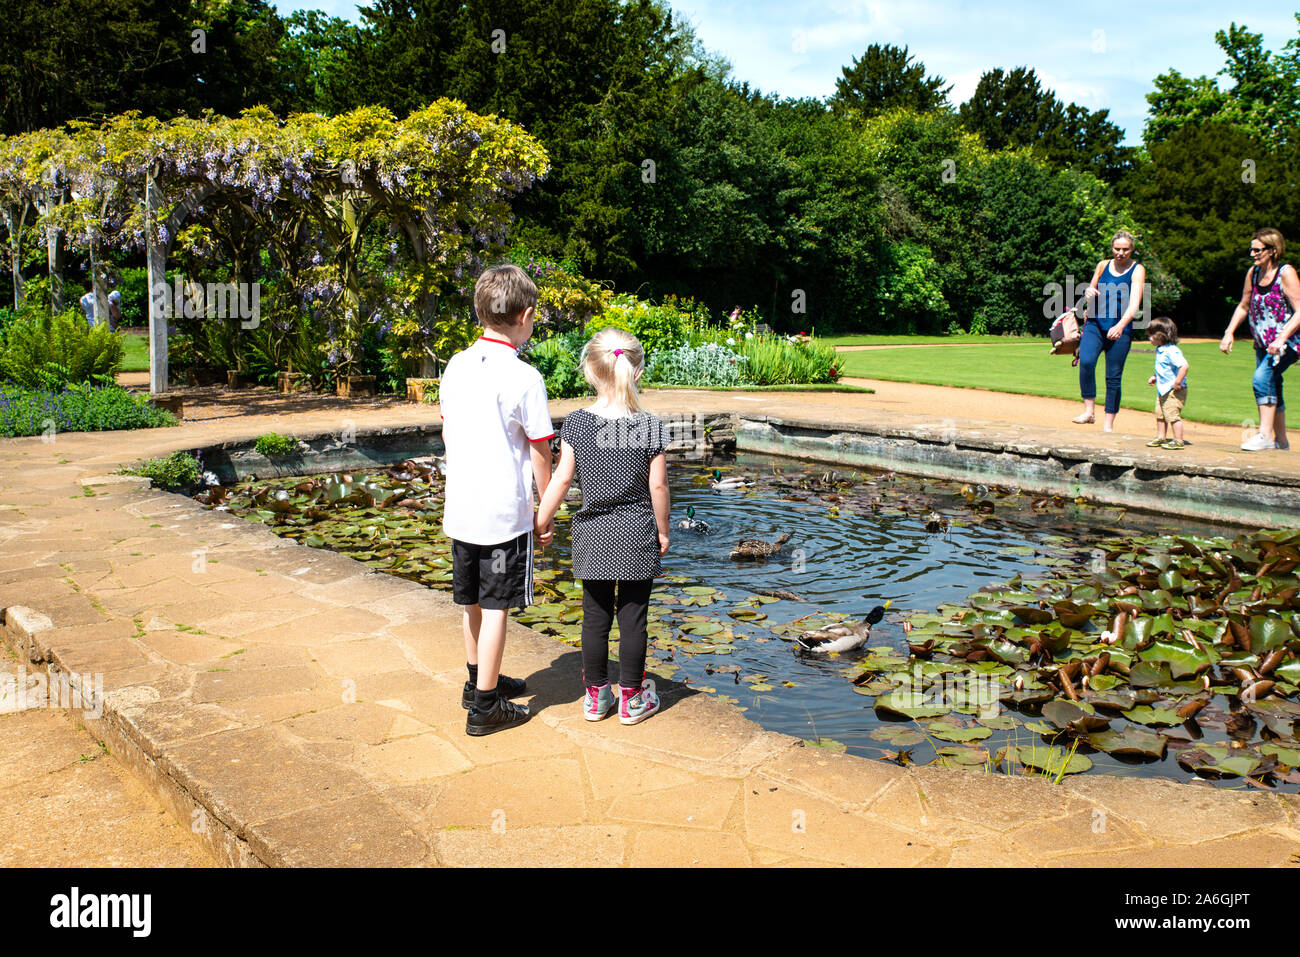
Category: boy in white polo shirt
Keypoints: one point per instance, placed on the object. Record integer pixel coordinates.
(497, 432)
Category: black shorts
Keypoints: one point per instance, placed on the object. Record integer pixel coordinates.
(493, 576)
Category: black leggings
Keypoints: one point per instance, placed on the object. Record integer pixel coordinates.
(598, 609)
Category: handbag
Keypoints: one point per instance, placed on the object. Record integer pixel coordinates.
(1065, 335)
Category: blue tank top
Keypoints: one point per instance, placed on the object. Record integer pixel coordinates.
(1113, 294)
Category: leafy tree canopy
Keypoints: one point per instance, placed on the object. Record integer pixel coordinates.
(885, 78)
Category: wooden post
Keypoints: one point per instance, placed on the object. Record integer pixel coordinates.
(157, 263)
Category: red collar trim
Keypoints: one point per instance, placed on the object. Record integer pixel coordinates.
(504, 342)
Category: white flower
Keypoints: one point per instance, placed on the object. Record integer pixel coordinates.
(731, 342)
(749, 335)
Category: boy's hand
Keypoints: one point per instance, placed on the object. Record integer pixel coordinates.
(1151, 381)
(663, 544)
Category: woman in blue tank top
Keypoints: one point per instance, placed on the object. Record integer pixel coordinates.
(1114, 298)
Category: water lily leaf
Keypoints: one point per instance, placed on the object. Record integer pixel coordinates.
(1076, 716)
(906, 705)
(1280, 717)
(702, 628)
(827, 743)
(1267, 633)
(1284, 755)
(700, 590)
(1145, 714)
(1130, 741)
(1115, 699)
(950, 732)
(1289, 672)
(1216, 762)
(1182, 658)
(897, 735)
(1101, 683)
(1048, 759)
(969, 757)
(1032, 614)
(1001, 722)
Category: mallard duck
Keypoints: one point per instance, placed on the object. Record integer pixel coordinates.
(719, 484)
(757, 548)
(689, 524)
(843, 637)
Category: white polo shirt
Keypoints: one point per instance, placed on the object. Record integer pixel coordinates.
(493, 406)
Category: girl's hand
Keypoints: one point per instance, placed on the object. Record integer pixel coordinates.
(1276, 346)
(1090, 294)
(1115, 331)
(1225, 344)
(545, 530)
(663, 544)
(1151, 381)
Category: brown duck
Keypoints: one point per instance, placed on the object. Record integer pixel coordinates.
(755, 548)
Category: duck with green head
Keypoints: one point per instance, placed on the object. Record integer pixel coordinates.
(691, 524)
(842, 637)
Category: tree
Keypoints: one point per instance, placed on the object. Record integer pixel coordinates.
(588, 78)
(1012, 110)
(1263, 100)
(885, 78)
(1201, 202)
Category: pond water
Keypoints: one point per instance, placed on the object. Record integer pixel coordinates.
(861, 539)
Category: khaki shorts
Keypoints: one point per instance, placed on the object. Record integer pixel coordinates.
(1169, 408)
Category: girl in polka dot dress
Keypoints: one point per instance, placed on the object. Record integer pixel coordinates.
(616, 451)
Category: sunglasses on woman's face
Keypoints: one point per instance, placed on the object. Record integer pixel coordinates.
(1256, 250)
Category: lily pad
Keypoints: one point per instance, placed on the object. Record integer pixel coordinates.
(1145, 714)
(1048, 759)
(1130, 742)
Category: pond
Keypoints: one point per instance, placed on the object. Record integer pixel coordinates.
(1023, 634)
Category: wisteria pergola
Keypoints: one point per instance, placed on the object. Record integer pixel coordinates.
(442, 178)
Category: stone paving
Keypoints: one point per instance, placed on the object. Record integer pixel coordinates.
(306, 709)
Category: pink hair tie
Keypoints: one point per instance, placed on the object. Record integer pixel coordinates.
(618, 352)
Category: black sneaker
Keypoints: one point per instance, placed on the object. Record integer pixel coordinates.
(506, 714)
(506, 688)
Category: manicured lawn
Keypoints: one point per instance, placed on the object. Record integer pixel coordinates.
(137, 353)
(1219, 385)
(868, 340)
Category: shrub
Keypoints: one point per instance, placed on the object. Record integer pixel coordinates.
(709, 364)
(77, 408)
(178, 470)
(657, 327)
(272, 444)
(556, 359)
(773, 360)
(46, 352)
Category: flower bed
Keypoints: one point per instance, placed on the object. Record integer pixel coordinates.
(76, 408)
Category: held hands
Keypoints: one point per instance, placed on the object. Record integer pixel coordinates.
(545, 530)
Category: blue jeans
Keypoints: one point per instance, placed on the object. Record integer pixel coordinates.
(1267, 380)
(1092, 344)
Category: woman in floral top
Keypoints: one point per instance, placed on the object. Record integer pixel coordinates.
(1270, 299)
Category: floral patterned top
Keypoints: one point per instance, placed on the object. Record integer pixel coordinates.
(1269, 310)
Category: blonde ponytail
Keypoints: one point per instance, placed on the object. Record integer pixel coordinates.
(611, 362)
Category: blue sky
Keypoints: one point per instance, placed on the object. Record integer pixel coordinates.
(1099, 55)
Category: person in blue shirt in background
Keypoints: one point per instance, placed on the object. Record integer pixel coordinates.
(1170, 381)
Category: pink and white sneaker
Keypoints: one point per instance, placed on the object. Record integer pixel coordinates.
(637, 704)
(597, 702)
